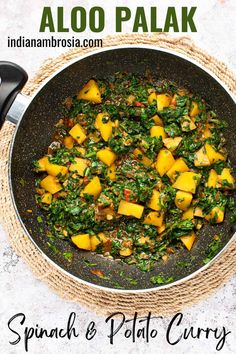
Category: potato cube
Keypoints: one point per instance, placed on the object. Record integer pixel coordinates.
(142, 158)
(51, 184)
(188, 240)
(172, 143)
(212, 179)
(130, 209)
(143, 240)
(93, 188)
(152, 97)
(42, 164)
(154, 218)
(47, 198)
(90, 92)
(183, 200)
(94, 242)
(82, 241)
(179, 166)
(194, 110)
(104, 125)
(78, 133)
(81, 150)
(187, 182)
(187, 124)
(206, 132)
(165, 161)
(79, 166)
(106, 156)
(94, 137)
(188, 214)
(198, 212)
(102, 237)
(111, 172)
(55, 170)
(161, 229)
(201, 158)
(158, 121)
(225, 179)
(216, 215)
(125, 252)
(68, 142)
(154, 202)
(163, 100)
(157, 131)
(213, 155)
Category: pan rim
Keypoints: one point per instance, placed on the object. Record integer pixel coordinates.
(46, 257)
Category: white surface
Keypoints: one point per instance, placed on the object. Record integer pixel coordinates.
(20, 291)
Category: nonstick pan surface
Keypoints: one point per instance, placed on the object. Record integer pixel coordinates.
(35, 131)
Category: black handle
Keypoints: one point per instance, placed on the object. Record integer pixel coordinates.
(12, 80)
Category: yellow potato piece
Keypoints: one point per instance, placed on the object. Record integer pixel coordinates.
(194, 111)
(187, 124)
(94, 137)
(161, 228)
(104, 125)
(172, 143)
(143, 240)
(213, 155)
(212, 179)
(51, 184)
(102, 237)
(106, 156)
(206, 133)
(154, 218)
(201, 158)
(158, 120)
(93, 188)
(183, 200)
(81, 150)
(90, 92)
(165, 161)
(154, 202)
(130, 209)
(111, 172)
(79, 166)
(55, 170)
(152, 97)
(42, 164)
(225, 179)
(188, 240)
(94, 242)
(78, 133)
(163, 101)
(216, 215)
(142, 158)
(198, 212)
(47, 198)
(68, 142)
(188, 214)
(82, 241)
(187, 181)
(125, 252)
(157, 131)
(179, 166)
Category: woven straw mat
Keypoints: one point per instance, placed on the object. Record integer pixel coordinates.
(163, 301)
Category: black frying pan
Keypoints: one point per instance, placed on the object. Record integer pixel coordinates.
(34, 133)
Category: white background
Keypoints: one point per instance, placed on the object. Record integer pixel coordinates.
(19, 290)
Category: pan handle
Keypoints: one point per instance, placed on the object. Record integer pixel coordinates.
(12, 80)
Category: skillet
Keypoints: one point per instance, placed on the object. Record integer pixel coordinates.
(35, 120)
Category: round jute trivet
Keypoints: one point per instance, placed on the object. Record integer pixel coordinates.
(164, 301)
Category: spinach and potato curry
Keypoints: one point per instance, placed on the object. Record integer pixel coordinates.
(136, 167)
